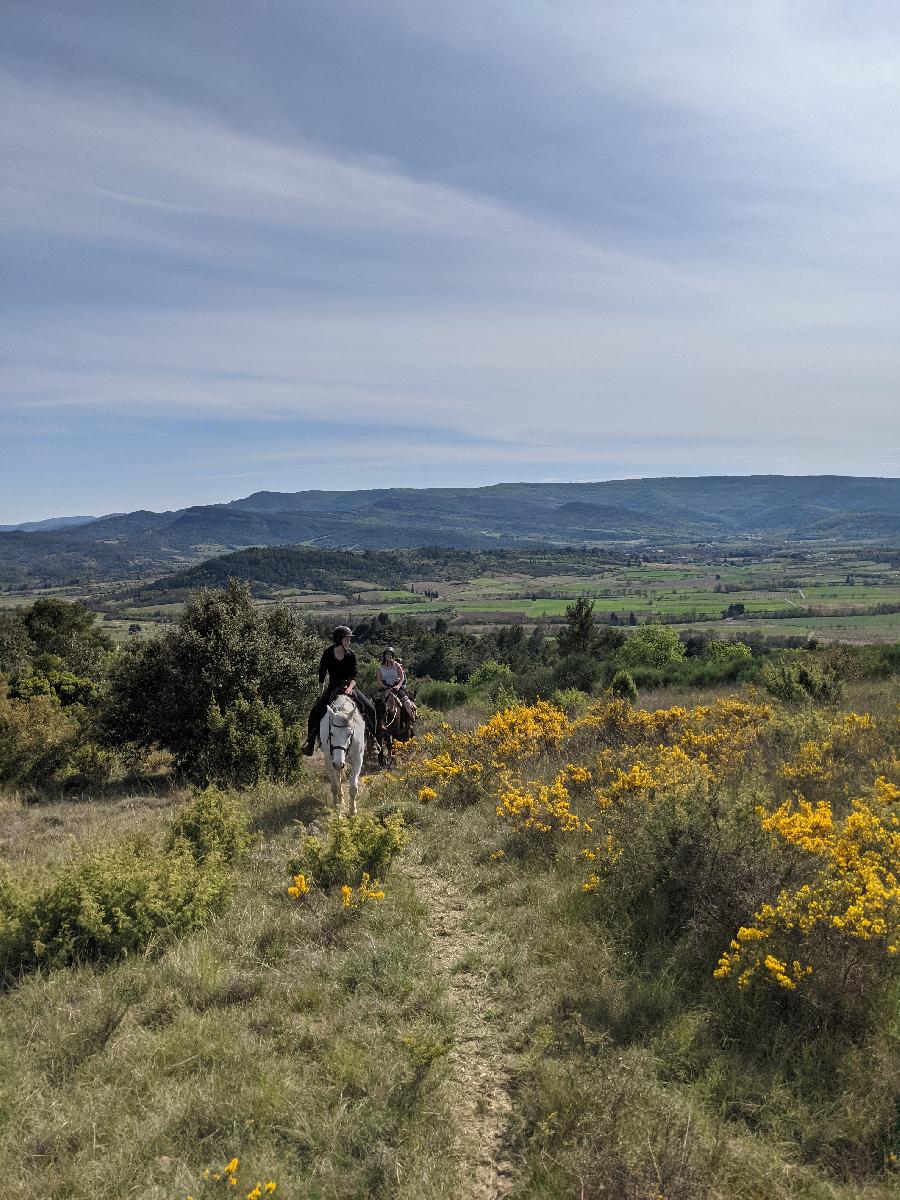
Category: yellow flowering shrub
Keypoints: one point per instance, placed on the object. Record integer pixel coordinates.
(367, 891)
(522, 731)
(299, 888)
(684, 825)
(838, 927)
(538, 808)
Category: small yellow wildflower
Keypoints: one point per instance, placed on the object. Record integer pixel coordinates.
(427, 794)
(299, 887)
(270, 1186)
(346, 895)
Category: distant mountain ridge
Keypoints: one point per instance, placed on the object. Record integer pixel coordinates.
(665, 511)
(49, 523)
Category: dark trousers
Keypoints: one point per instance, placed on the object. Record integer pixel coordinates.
(363, 703)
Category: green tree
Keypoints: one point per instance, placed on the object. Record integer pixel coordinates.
(580, 631)
(651, 646)
(16, 647)
(69, 632)
(185, 689)
(719, 651)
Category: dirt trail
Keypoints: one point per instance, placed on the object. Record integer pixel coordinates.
(480, 1066)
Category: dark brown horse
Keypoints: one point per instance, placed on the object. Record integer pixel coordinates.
(394, 725)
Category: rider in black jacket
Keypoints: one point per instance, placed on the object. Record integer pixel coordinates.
(338, 663)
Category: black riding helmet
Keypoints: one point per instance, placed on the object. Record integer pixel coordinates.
(388, 650)
(340, 632)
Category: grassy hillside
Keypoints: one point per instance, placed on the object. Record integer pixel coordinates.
(531, 1009)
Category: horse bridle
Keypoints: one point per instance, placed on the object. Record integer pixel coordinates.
(342, 723)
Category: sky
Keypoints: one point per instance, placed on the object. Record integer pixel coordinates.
(289, 244)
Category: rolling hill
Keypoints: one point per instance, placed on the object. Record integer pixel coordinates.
(771, 509)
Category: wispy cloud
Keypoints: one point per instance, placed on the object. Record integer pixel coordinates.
(639, 233)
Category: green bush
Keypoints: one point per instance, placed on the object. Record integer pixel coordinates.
(37, 739)
(719, 651)
(67, 687)
(214, 824)
(798, 676)
(194, 690)
(351, 846)
(574, 702)
(128, 896)
(651, 646)
(624, 686)
(248, 743)
(436, 693)
(108, 905)
(491, 680)
(92, 764)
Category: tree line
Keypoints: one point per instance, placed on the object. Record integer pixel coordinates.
(223, 695)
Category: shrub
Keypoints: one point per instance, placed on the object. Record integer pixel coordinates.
(225, 657)
(436, 693)
(716, 651)
(351, 847)
(37, 738)
(214, 824)
(69, 633)
(491, 679)
(248, 743)
(833, 934)
(108, 905)
(93, 764)
(67, 687)
(624, 687)
(572, 701)
(651, 646)
(798, 675)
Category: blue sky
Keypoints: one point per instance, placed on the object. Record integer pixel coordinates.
(326, 243)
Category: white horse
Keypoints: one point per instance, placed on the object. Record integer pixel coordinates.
(343, 735)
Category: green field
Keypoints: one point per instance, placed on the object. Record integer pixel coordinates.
(834, 594)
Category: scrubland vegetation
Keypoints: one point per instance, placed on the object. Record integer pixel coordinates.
(624, 920)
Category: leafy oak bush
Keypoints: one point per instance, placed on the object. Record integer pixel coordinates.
(250, 742)
(210, 690)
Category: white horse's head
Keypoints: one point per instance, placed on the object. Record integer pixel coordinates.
(340, 730)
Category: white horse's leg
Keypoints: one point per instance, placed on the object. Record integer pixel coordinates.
(337, 790)
(355, 765)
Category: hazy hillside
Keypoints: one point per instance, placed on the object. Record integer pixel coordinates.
(721, 509)
(50, 523)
